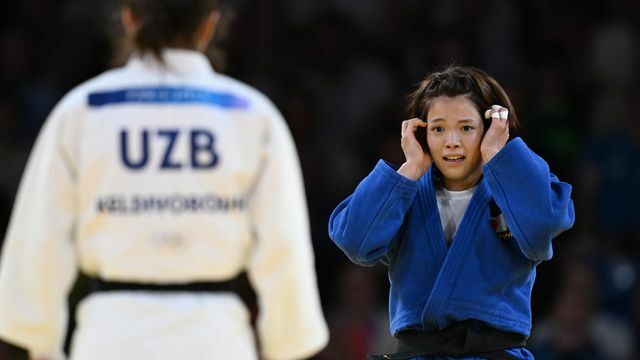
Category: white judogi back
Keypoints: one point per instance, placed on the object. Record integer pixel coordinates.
(162, 174)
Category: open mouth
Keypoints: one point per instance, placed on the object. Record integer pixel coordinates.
(454, 158)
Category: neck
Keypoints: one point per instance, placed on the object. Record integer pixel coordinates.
(181, 44)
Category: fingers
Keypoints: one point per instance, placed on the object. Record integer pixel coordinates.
(497, 112)
(412, 124)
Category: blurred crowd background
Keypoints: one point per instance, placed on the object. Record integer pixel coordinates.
(340, 71)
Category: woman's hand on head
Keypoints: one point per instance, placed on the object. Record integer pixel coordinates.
(417, 160)
(497, 135)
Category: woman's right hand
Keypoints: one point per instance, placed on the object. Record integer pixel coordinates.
(417, 159)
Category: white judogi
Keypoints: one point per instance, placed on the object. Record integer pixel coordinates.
(162, 174)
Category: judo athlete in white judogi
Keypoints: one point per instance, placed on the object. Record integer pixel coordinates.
(162, 174)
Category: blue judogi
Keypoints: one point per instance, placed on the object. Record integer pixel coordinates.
(488, 271)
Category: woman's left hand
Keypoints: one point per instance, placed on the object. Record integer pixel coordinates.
(496, 137)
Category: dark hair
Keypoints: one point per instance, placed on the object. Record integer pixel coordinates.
(475, 84)
(165, 23)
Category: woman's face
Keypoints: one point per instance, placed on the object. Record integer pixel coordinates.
(454, 135)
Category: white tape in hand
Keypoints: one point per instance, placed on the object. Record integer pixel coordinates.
(498, 113)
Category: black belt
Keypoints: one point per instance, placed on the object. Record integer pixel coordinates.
(97, 284)
(457, 340)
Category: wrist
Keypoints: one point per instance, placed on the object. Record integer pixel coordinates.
(412, 170)
(488, 155)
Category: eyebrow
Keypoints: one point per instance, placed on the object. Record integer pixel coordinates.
(464, 121)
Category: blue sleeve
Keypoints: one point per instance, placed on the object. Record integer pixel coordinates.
(536, 205)
(365, 225)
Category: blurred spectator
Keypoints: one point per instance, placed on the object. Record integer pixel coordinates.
(614, 55)
(636, 323)
(576, 328)
(359, 323)
(346, 89)
(608, 196)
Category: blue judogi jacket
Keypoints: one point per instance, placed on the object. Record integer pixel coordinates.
(488, 271)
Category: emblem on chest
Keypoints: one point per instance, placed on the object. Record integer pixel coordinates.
(498, 222)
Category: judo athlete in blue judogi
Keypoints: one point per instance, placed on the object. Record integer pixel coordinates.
(462, 224)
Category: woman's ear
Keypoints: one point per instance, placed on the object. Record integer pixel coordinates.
(207, 30)
(128, 21)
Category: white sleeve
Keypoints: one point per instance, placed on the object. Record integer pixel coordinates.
(281, 269)
(38, 263)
